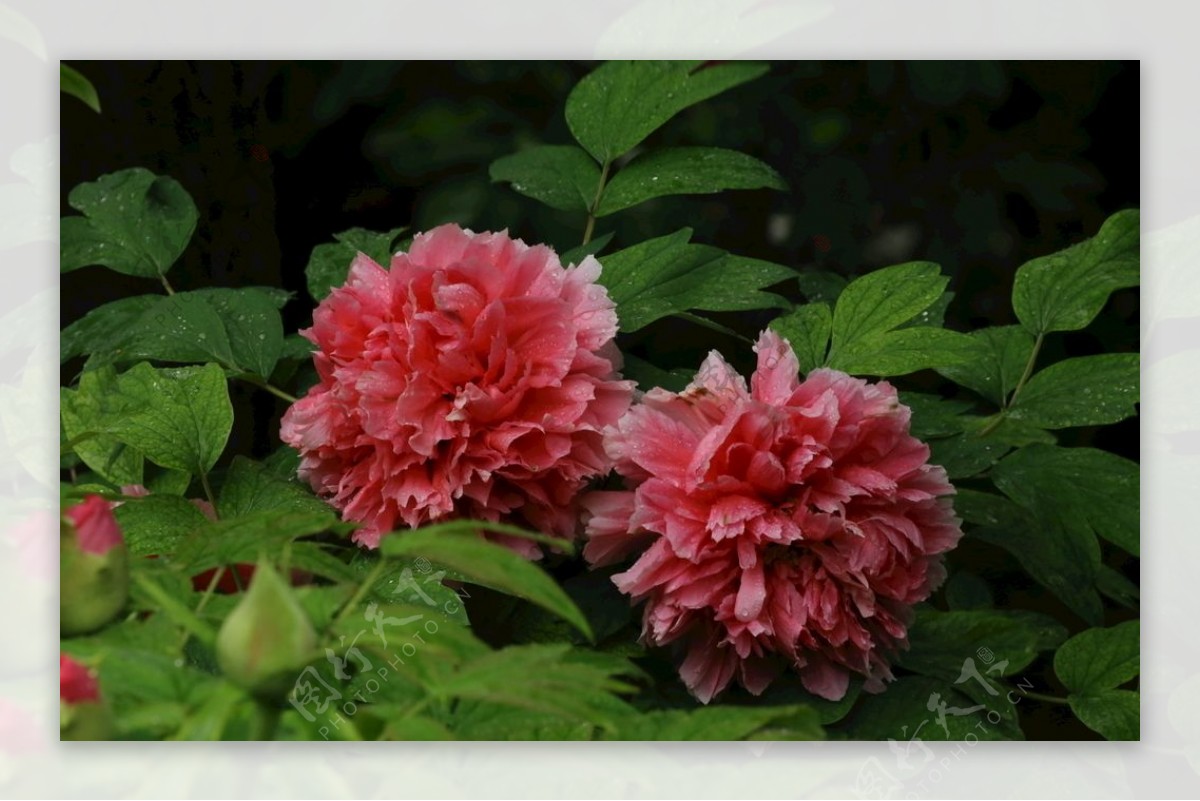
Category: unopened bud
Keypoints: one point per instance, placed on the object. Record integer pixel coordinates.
(94, 567)
(83, 715)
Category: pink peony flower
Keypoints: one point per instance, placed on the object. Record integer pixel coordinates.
(95, 525)
(471, 379)
(792, 524)
(76, 684)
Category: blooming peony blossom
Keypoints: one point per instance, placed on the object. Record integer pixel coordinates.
(471, 379)
(790, 524)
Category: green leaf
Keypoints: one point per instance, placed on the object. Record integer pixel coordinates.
(329, 263)
(1066, 290)
(880, 301)
(252, 325)
(249, 487)
(648, 376)
(901, 352)
(1063, 561)
(578, 253)
(667, 275)
(902, 713)
(723, 722)
(186, 417)
(1081, 489)
(183, 327)
(561, 176)
(86, 413)
(933, 416)
(1100, 659)
(612, 109)
(1116, 714)
(155, 524)
(1086, 391)
(966, 591)
(72, 82)
(100, 329)
(998, 358)
(245, 538)
(134, 222)
(685, 171)
(1114, 585)
(486, 563)
(821, 286)
(807, 328)
(940, 642)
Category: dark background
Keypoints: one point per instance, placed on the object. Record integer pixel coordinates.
(979, 166)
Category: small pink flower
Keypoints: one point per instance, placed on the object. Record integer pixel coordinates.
(95, 525)
(76, 684)
(471, 379)
(788, 524)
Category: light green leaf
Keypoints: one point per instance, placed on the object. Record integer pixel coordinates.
(72, 82)
(246, 537)
(999, 355)
(1100, 659)
(901, 352)
(612, 109)
(940, 642)
(1081, 489)
(667, 275)
(880, 301)
(1066, 290)
(1114, 713)
(100, 329)
(329, 263)
(134, 222)
(486, 563)
(155, 524)
(807, 328)
(561, 176)
(249, 488)
(186, 417)
(86, 415)
(685, 171)
(1085, 391)
(1063, 561)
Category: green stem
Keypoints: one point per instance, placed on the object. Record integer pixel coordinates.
(363, 588)
(208, 493)
(166, 284)
(1033, 354)
(250, 378)
(268, 720)
(591, 218)
(1049, 699)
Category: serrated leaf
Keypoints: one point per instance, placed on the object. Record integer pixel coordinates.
(1085, 391)
(155, 524)
(1100, 659)
(940, 642)
(1116, 714)
(807, 328)
(998, 358)
(900, 352)
(1066, 290)
(488, 564)
(612, 109)
(134, 222)
(1063, 561)
(561, 176)
(72, 82)
(667, 275)
(186, 417)
(329, 263)
(881, 300)
(685, 171)
(1081, 489)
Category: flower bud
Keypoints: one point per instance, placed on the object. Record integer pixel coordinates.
(94, 565)
(267, 638)
(83, 715)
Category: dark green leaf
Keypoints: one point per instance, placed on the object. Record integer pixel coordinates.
(880, 301)
(807, 328)
(249, 487)
(156, 523)
(648, 376)
(245, 538)
(100, 329)
(933, 416)
(71, 82)
(902, 713)
(134, 222)
(611, 110)
(86, 415)
(667, 275)
(1115, 586)
(488, 564)
(561, 176)
(578, 253)
(966, 591)
(723, 723)
(1100, 659)
(685, 171)
(821, 286)
(900, 352)
(252, 325)
(329, 263)
(1066, 290)
(1114, 713)
(998, 358)
(1005, 642)
(1086, 391)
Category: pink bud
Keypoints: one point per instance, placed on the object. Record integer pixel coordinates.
(95, 525)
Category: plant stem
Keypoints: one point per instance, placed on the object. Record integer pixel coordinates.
(591, 218)
(250, 378)
(208, 493)
(166, 284)
(363, 588)
(1033, 354)
(1049, 699)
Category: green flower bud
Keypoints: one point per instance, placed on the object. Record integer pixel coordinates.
(267, 638)
(83, 714)
(94, 567)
